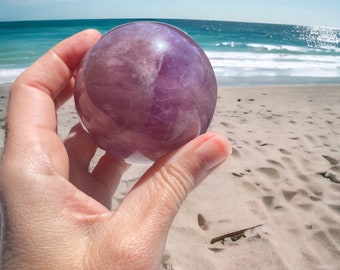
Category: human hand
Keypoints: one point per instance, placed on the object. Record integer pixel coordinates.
(55, 213)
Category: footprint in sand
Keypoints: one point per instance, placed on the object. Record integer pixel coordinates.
(288, 195)
(331, 160)
(235, 153)
(275, 163)
(301, 199)
(270, 172)
(285, 152)
(268, 200)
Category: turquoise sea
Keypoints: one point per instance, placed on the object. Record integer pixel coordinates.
(241, 53)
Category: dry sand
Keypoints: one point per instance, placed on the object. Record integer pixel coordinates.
(284, 174)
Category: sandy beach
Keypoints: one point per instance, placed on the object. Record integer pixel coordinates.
(283, 177)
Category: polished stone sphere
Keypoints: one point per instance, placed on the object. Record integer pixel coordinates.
(145, 89)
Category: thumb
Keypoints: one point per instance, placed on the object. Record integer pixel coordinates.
(154, 201)
(166, 184)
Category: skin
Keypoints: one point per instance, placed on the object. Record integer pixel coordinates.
(55, 214)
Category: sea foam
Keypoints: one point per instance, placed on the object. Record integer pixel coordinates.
(239, 52)
(9, 75)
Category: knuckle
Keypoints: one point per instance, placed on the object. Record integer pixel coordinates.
(176, 179)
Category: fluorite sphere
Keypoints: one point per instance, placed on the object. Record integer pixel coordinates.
(145, 89)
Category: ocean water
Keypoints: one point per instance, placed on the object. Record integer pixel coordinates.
(240, 53)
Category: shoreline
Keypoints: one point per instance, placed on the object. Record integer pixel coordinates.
(241, 90)
(285, 148)
(6, 86)
(68, 108)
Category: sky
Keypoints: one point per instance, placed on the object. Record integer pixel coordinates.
(300, 12)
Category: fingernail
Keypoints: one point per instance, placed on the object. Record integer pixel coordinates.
(213, 151)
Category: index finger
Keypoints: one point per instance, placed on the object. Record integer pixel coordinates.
(32, 95)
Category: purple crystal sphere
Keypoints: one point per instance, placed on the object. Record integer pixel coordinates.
(145, 89)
